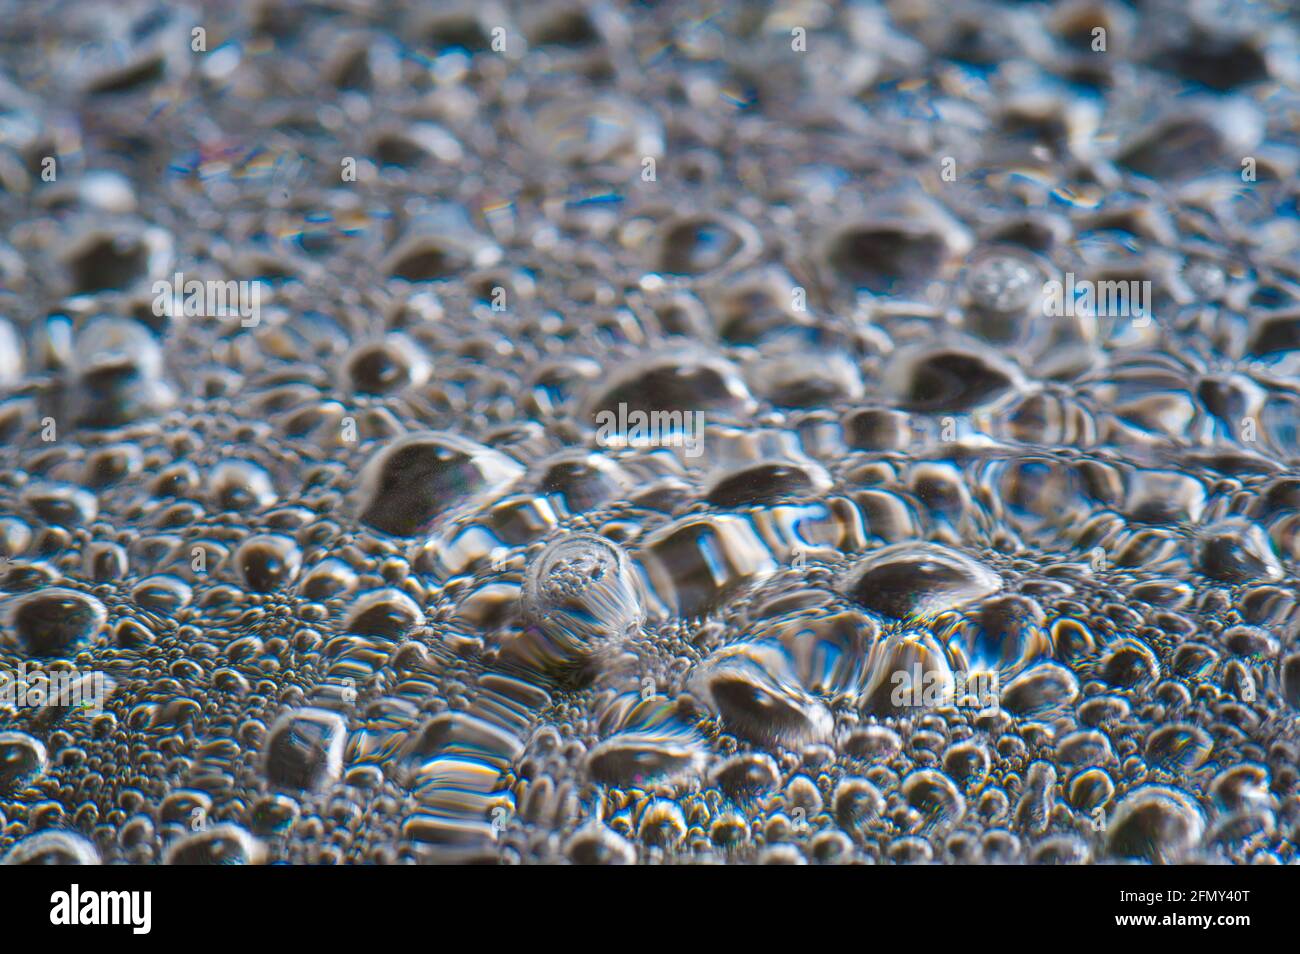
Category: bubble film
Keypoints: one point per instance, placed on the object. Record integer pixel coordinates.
(614, 433)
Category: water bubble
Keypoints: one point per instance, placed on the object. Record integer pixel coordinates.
(753, 773)
(597, 845)
(939, 379)
(21, 758)
(268, 561)
(218, 845)
(52, 848)
(680, 383)
(702, 244)
(886, 258)
(1003, 284)
(117, 368)
(421, 477)
(386, 612)
(1235, 552)
(913, 580)
(758, 697)
(304, 749)
(580, 593)
(54, 621)
(1155, 823)
(652, 744)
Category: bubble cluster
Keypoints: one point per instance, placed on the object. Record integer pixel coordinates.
(617, 433)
